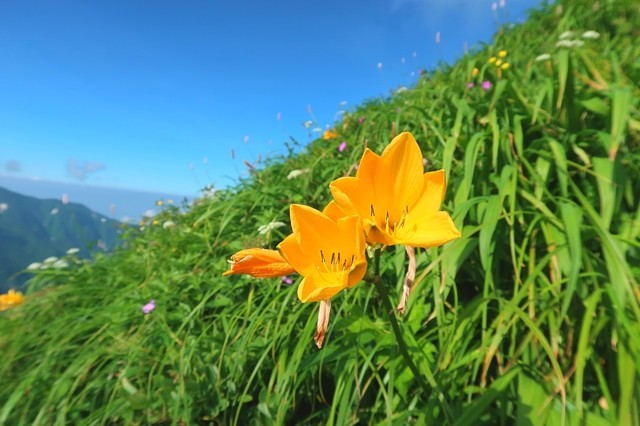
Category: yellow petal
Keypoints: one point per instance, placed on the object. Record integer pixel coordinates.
(290, 250)
(400, 184)
(368, 164)
(259, 263)
(358, 270)
(317, 287)
(430, 231)
(313, 230)
(355, 195)
(434, 187)
(334, 211)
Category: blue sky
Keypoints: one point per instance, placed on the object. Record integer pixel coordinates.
(154, 95)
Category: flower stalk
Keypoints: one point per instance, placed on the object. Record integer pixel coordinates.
(402, 345)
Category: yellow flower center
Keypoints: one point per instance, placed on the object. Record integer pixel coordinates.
(391, 227)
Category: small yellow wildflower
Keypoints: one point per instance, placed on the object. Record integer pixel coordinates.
(492, 59)
(11, 299)
(498, 62)
(475, 72)
(329, 134)
(502, 53)
(159, 203)
(505, 66)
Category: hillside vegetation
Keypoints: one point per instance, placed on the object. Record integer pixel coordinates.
(532, 317)
(32, 230)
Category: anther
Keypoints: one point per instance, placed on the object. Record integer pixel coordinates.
(322, 256)
(373, 213)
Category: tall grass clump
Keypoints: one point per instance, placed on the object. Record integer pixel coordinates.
(531, 317)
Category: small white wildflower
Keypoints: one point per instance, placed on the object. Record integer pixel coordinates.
(50, 260)
(295, 173)
(543, 57)
(591, 35)
(168, 224)
(263, 229)
(401, 89)
(149, 213)
(59, 264)
(73, 251)
(54, 211)
(34, 266)
(3, 207)
(308, 124)
(570, 43)
(565, 35)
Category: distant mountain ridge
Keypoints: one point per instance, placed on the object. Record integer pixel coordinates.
(33, 229)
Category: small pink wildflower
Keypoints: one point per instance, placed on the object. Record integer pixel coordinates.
(486, 85)
(342, 146)
(360, 120)
(146, 309)
(287, 280)
(470, 85)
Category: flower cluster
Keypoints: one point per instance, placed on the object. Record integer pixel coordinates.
(11, 299)
(499, 61)
(390, 201)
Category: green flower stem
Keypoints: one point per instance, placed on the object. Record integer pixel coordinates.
(402, 345)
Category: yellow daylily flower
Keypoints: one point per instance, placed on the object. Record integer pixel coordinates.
(329, 252)
(259, 263)
(502, 53)
(397, 202)
(11, 299)
(329, 134)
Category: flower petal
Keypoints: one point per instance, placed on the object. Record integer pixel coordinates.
(259, 263)
(431, 231)
(317, 287)
(290, 250)
(313, 230)
(354, 195)
(402, 176)
(433, 190)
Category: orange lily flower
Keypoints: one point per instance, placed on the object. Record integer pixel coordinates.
(397, 202)
(328, 250)
(259, 263)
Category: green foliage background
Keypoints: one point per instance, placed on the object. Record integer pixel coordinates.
(532, 317)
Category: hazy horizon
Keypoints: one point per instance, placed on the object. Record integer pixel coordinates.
(117, 203)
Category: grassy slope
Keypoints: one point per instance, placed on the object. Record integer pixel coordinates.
(533, 316)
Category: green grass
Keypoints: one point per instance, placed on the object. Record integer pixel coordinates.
(532, 317)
